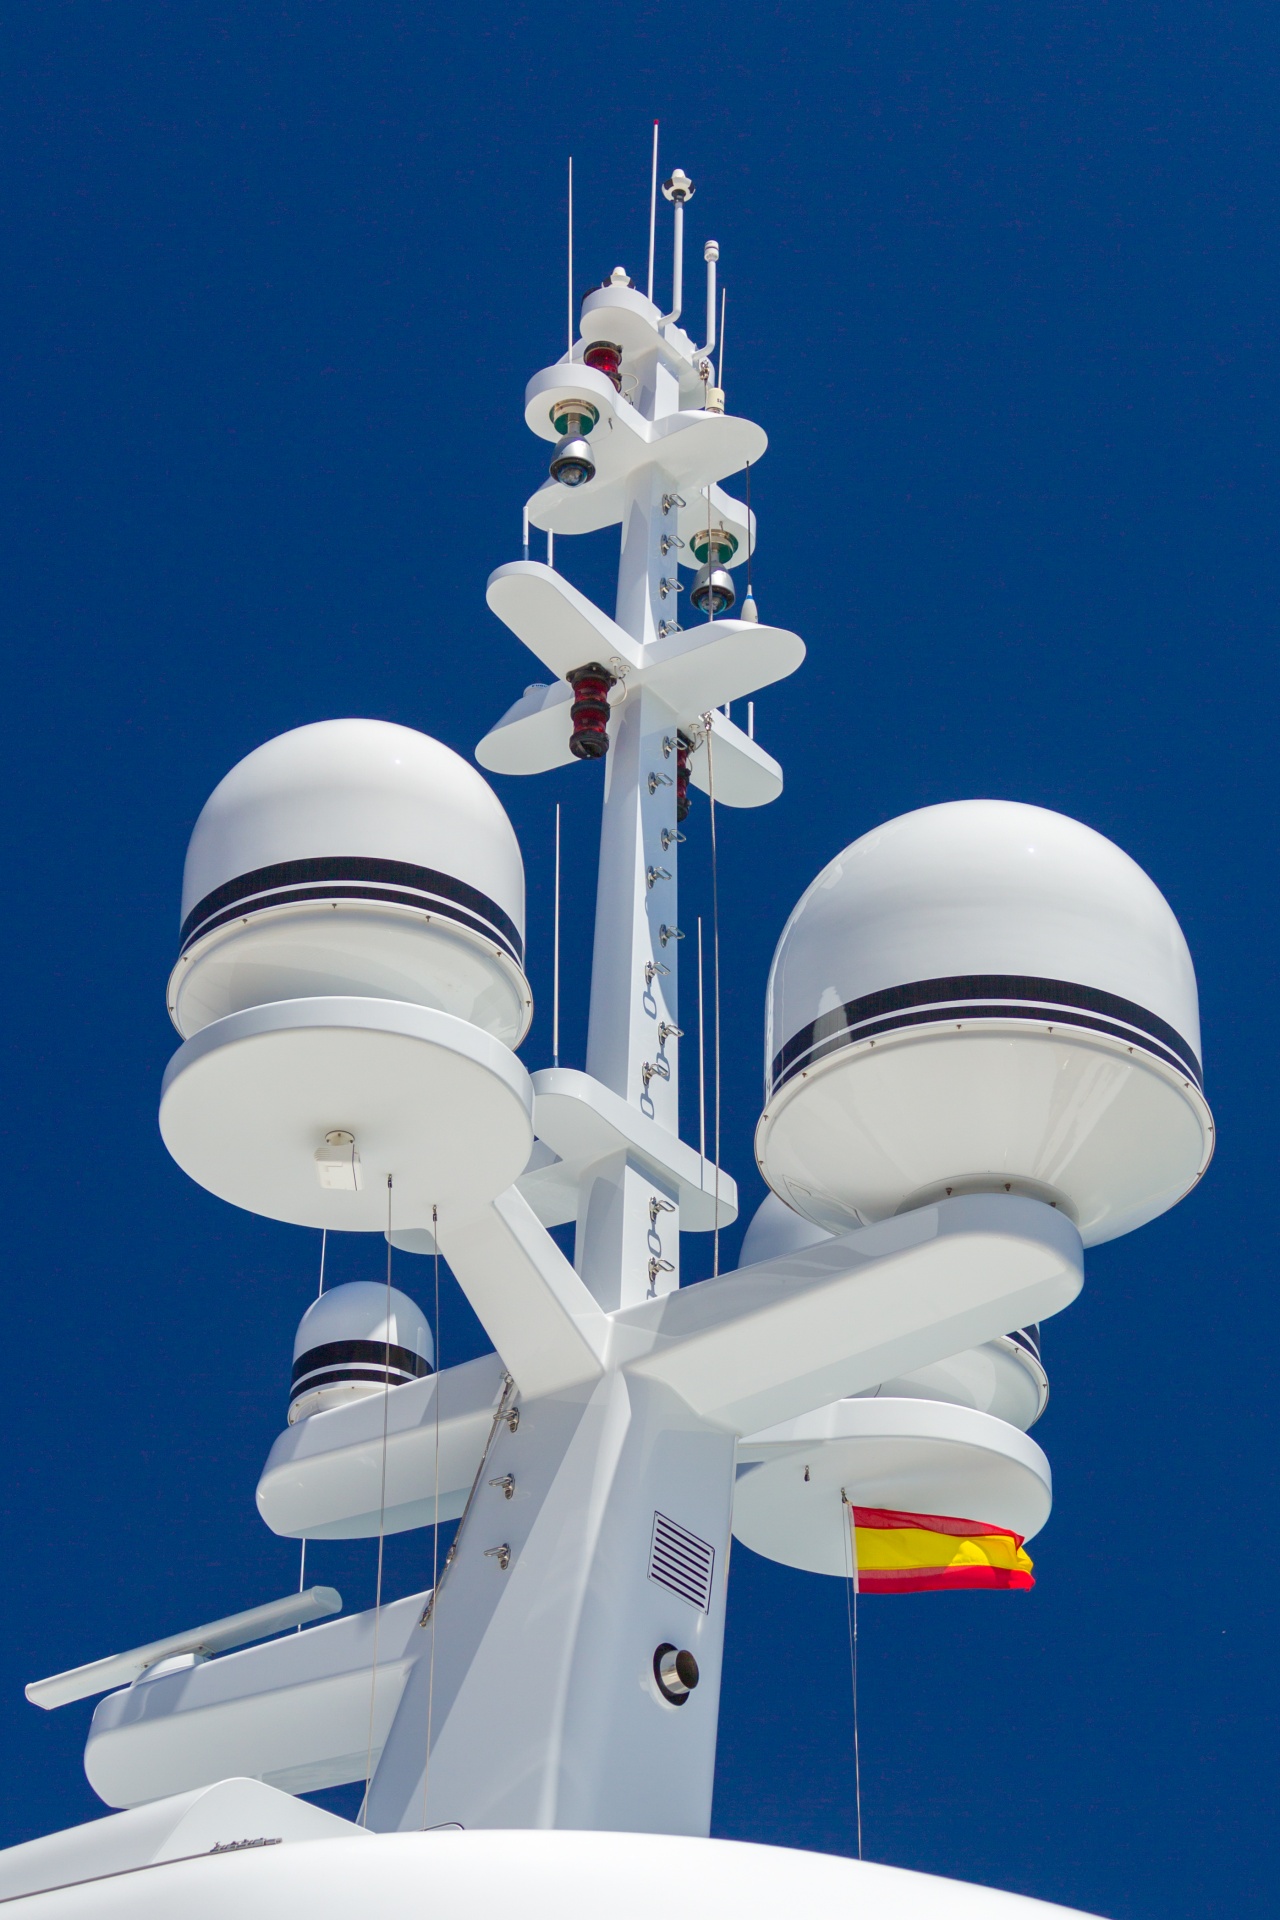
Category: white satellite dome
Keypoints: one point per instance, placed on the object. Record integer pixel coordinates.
(978, 996)
(356, 1340)
(358, 858)
(1003, 1377)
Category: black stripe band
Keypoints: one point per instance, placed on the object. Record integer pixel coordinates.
(984, 996)
(371, 1352)
(354, 877)
(343, 1377)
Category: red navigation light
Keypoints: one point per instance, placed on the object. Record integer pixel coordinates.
(590, 711)
(607, 359)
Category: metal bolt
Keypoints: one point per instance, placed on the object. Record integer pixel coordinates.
(666, 933)
(652, 875)
(507, 1482)
(669, 1031)
(501, 1554)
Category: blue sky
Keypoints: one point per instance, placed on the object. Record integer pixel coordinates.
(1002, 289)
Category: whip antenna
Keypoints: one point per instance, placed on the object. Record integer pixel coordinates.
(571, 256)
(653, 205)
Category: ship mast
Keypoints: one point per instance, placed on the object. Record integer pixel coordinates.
(982, 1054)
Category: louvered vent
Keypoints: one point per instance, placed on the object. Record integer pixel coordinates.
(679, 1560)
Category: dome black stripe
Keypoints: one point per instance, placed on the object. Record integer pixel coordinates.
(372, 1352)
(353, 876)
(983, 996)
(343, 1376)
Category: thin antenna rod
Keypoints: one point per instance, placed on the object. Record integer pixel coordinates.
(525, 534)
(720, 381)
(715, 982)
(851, 1603)
(555, 977)
(750, 541)
(702, 1065)
(363, 1817)
(571, 256)
(653, 206)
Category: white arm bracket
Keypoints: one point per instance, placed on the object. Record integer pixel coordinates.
(777, 1339)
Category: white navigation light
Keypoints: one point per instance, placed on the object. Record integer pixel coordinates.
(572, 464)
(353, 857)
(354, 1341)
(983, 997)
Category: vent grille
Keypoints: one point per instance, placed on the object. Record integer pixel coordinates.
(679, 1560)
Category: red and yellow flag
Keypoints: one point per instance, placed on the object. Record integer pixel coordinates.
(929, 1552)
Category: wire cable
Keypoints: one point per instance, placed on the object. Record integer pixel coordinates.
(653, 205)
(302, 1568)
(382, 1530)
(555, 983)
(702, 1068)
(851, 1607)
(435, 1526)
(750, 541)
(715, 988)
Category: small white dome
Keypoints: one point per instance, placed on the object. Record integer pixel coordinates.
(349, 1346)
(977, 995)
(775, 1229)
(353, 857)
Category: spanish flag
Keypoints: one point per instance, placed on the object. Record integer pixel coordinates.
(929, 1553)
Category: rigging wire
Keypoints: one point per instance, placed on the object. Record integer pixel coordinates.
(435, 1526)
(555, 964)
(302, 1567)
(750, 541)
(702, 1066)
(851, 1607)
(715, 987)
(428, 1615)
(653, 205)
(382, 1530)
(571, 256)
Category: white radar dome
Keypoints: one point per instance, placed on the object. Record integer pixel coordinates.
(976, 997)
(353, 857)
(350, 1344)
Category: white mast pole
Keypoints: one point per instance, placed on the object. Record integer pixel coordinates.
(632, 1042)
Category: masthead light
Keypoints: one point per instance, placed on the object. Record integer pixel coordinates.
(571, 463)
